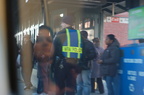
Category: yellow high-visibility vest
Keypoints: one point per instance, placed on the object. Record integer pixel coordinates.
(72, 47)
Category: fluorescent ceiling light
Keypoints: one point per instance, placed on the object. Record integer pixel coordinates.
(62, 15)
(26, 1)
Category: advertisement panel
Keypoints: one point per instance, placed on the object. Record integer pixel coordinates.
(136, 23)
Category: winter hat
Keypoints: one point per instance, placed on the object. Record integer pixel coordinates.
(68, 20)
(84, 34)
(95, 39)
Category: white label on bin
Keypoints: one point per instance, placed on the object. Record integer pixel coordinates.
(134, 73)
(138, 61)
(141, 73)
(132, 78)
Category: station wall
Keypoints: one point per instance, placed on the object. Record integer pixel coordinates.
(119, 28)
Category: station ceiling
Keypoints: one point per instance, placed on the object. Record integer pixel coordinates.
(120, 5)
(31, 11)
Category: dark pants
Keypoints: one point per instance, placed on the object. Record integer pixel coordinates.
(42, 77)
(40, 86)
(99, 83)
(65, 78)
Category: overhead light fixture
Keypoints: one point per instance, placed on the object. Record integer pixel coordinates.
(61, 15)
(26, 1)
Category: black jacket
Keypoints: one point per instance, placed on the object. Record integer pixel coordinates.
(89, 53)
(88, 48)
(111, 58)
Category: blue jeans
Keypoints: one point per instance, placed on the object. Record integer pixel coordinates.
(113, 85)
(83, 83)
(40, 86)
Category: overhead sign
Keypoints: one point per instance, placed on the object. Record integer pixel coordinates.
(117, 19)
(136, 23)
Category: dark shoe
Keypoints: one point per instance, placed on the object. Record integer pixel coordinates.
(101, 92)
(93, 91)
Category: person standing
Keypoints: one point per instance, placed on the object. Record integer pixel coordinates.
(69, 51)
(27, 57)
(95, 68)
(109, 64)
(83, 79)
(43, 51)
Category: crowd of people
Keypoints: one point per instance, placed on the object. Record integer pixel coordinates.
(69, 63)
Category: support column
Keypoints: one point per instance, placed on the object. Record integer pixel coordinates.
(101, 37)
(96, 26)
(77, 21)
(45, 12)
(113, 9)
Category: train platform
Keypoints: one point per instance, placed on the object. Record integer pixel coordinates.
(34, 82)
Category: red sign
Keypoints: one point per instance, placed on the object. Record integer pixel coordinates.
(115, 19)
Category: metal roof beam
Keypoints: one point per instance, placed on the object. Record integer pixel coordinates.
(110, 4)
(75, 2)
(121, 7)
(109, 11)
(76, 5)
(106, 5)
(115, 1)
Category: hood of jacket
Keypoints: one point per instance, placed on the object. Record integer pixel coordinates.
(115, 44)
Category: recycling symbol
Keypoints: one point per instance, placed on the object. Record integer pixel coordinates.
(131, 88)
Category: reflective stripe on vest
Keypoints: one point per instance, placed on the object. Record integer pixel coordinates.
(68, 49)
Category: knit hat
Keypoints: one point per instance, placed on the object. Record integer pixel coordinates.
(95, 39)
(84, 34)
(68, 20)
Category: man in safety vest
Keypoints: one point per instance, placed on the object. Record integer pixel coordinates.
(69, 50)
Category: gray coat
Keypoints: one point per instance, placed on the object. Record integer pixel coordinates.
(111, 58)
(95, 67)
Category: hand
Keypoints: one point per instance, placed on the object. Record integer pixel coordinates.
(99, 61)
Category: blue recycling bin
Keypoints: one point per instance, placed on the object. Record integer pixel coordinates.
(132, 70)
